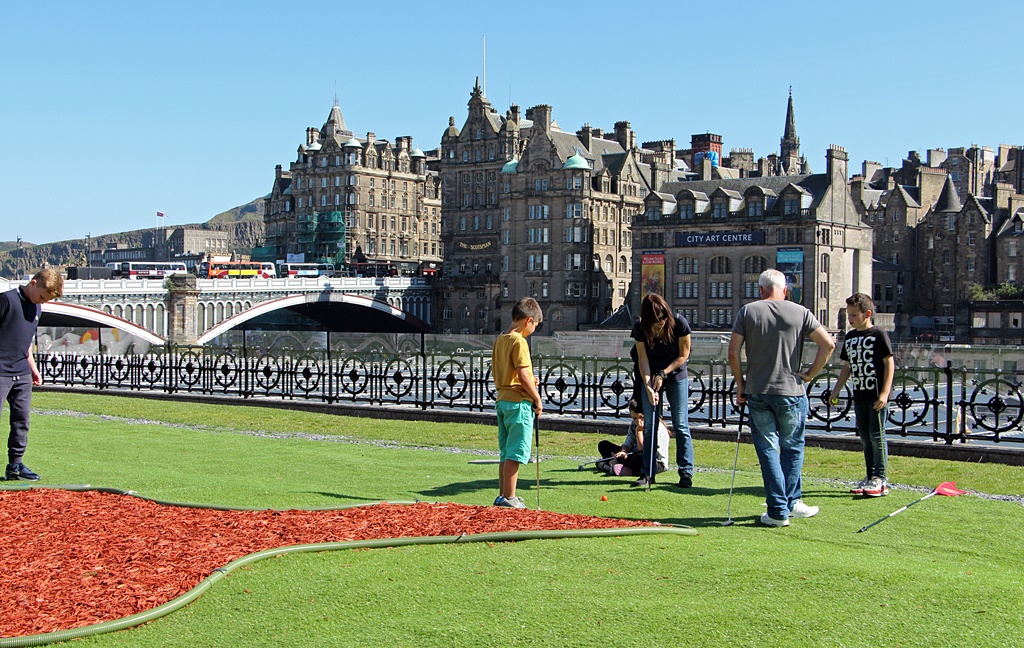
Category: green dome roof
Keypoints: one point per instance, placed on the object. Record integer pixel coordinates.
(510, 166)
(417, 153)
(577, 161)
(352, 142)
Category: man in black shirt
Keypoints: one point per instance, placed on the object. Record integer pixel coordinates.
(19, 317)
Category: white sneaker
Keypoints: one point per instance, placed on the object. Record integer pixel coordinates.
(801, 510)
(772, 522)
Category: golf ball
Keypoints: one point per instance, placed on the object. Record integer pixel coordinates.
(835, 401)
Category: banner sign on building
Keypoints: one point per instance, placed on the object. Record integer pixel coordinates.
(694, 239)
(652, 273)
(790, 262)
(295, 257)
(474, 245)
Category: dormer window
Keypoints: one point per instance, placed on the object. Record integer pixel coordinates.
(653, 214)
(720, 209)
(755, 208)
(686, 212)
(790, 206)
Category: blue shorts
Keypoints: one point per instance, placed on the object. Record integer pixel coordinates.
(515, 424)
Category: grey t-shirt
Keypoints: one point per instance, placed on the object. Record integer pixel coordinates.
(773, 336)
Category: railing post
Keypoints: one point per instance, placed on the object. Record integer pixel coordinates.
(950, 405)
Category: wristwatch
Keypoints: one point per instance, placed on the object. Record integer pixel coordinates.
(661, 374)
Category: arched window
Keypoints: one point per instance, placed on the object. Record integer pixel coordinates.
(721, 265)
(755, 264)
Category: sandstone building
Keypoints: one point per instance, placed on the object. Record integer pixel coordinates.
(348, 200)
(942, 226)
(532, 210)
(703, 244)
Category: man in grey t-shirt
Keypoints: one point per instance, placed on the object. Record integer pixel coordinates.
(772, 332)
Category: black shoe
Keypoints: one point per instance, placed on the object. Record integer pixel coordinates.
(20, 471)
(643, 482)
(685, 480)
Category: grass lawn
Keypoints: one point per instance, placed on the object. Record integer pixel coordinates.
(946, 572)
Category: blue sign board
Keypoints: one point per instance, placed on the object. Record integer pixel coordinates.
(695, 239)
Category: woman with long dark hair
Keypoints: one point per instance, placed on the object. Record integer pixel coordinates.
(663, 347)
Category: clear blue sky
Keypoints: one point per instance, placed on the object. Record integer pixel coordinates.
(113, 111)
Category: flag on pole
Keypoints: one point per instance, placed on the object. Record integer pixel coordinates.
(159, 214)
(947, 489)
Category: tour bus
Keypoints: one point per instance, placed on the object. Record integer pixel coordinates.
(289, 270)
(231, 270)
(150, 269)
(269, 269)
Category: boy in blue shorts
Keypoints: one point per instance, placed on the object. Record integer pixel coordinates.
(518, 399)
(868, 365)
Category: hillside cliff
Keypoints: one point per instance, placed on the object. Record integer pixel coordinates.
(245, 223)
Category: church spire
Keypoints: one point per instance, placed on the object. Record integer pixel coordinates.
(789, 145)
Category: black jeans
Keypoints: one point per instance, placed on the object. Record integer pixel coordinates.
(871, 429)
(17, 391)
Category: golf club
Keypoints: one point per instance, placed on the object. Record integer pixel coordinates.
(596, 461)
(653, 441)
(735, 460)
(536, 441)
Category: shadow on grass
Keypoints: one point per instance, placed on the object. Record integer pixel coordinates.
(354, 499)
(459, 488)
(668, 483)
(706, 523)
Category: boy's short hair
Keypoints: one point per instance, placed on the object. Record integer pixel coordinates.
(861, 301)
(527, 307)
(51, 280)
(634, 407)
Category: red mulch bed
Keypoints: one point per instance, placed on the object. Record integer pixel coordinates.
(76, 558)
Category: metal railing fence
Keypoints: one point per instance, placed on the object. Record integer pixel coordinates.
(945, 404)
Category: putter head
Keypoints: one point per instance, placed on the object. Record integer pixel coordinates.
(727, 522)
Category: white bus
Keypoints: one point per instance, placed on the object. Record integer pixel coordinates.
(151, 269)
(289, 270)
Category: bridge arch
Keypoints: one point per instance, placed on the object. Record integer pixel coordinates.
(331, 311)
(57, 313)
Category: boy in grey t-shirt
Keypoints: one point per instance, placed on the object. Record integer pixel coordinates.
(772, 332)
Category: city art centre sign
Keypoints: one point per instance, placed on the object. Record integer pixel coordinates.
(695, 239)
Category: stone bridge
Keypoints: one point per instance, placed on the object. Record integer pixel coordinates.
(185, 310)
